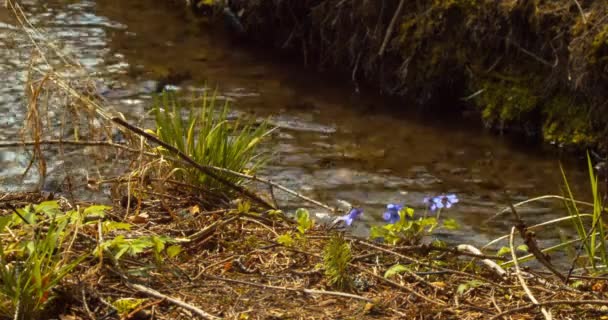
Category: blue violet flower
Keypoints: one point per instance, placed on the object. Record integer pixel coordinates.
(441, 201)
(392, 213)
(353, 215)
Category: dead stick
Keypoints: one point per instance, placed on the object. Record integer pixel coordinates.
(308, 291)
(533, 248)
(9, 144)
(154, 293)
(195, 164)
(391, 26)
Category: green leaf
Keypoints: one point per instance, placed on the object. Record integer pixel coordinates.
(109, 226)
(174, 250)
(503, 251)
(396, 269)
(462, 288)
(159, 243)
(522, 247)
(304, 221)
(577, 284)
(126, 305)
(450, 224)
(285, 239)
(96, 211)
(47, 207)
(377, 232)
(244, 207)
(408, 211)
(4, 221)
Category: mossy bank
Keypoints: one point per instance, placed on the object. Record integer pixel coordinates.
(533, 66)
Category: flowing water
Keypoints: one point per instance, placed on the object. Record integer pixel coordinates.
(332, 144)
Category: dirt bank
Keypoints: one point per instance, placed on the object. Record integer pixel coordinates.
(538, 67)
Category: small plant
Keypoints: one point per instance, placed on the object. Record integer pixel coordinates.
(304, 223)
(204, 133)
(336, 257)
(403, 227)
(31, 266)
(119, 245)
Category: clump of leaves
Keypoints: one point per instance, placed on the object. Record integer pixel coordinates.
(205, 133)
(304, 223)
(120, 245)
(336, 257)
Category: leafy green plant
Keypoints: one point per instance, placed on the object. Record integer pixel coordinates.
(120, 245)
(594, 238)
(204, 133)
(395, 270)
(33, 261)
(304, 223)
(336, 257)
(408, 230)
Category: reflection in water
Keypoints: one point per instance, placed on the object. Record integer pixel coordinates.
(332, 144)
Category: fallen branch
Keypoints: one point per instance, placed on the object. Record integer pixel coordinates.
(10, 144)
(189, 307)
(530, 241)
(308, 291)
(210, 229)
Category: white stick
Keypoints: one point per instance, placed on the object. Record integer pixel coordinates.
(546, 313)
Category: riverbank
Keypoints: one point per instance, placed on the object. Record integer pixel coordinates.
(171, 257)
(532, 67)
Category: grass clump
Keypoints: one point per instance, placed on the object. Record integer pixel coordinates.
(593, 239)
(204, 132)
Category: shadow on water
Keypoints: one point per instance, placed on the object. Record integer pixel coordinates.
(333, 144)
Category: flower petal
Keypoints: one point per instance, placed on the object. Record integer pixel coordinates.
(387, 216)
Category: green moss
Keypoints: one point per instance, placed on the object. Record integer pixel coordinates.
(599, 47)
(505, 101)
(511, 100)
(433, 36)
(567, 121)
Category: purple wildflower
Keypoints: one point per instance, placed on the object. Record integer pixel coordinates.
(350, 217)
(392, 213)
(441, 201)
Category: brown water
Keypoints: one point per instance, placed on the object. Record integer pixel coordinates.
(333, 143)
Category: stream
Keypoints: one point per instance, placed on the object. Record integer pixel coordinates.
(332, 144)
